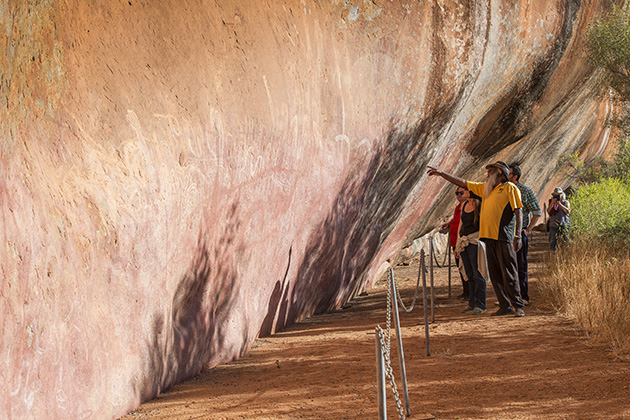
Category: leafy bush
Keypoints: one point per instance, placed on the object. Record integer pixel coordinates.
(599, 168)
(621, 161)
(601, 210)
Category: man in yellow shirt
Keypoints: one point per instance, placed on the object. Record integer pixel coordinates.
(500, 217)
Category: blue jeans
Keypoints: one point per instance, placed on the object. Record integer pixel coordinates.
(476, 283)
(465, 290)
(558, 232)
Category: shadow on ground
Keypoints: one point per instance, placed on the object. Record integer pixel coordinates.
(481, 367)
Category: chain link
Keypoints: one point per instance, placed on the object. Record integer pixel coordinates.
(435, 258)
(388, 317)
(392, 283)
(389, 373)
(386, 345)
(385, 340)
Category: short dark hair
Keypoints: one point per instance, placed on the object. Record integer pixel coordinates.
(516, 170)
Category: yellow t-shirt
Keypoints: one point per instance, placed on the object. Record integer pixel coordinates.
(496, 218)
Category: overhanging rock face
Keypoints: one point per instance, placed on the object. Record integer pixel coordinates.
(178, 177)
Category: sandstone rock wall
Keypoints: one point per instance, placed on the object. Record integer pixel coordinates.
(179, 177)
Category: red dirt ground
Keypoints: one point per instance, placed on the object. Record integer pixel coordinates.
(481, 367)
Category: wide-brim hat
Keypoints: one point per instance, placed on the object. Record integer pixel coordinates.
(557, 190)
(502, 166)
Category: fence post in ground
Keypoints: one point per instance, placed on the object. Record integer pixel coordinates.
(449, 270)
(424, 297)
(380, 378)
(431, 251)
(401, 353)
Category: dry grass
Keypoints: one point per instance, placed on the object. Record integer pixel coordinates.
(590, 283)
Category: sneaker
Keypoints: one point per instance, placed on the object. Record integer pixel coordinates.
(468, 309)
(519, 312)
(506, 311)
(478, 311)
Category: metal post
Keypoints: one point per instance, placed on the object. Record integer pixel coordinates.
(449, 270)
(431, 251)
(401, 353)
(424, 296)
(380, 378)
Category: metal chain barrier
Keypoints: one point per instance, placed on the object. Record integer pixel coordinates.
(392, 281)
(383, 342)
(435, 255)
(386, 346)
(388, 319)
(389, 373)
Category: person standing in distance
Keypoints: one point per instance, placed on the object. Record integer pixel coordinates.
(500, 217)
(559, 209)
(530, 206)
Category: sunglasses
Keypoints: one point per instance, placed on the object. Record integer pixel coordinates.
(459, 193)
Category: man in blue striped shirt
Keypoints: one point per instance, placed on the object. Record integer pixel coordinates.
(530, 205)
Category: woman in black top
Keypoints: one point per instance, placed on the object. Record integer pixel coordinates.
(467, 247)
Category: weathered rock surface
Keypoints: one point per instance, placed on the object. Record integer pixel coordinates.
(178, 177)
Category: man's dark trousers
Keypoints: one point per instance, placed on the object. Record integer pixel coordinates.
(503, 273)
(521, 259)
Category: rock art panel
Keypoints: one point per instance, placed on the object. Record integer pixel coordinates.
(178, 178)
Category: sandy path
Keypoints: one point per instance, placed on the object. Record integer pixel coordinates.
(481, 367)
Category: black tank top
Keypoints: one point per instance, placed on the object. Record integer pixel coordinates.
(468, 223)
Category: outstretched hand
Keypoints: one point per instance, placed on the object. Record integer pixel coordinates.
(432, 171)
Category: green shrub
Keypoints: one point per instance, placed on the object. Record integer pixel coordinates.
(601, 210)
(621, 161)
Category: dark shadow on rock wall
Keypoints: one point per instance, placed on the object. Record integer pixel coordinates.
(510, 119)
(367, 209)
(202, 305)
(362, 216)
(275, 300)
